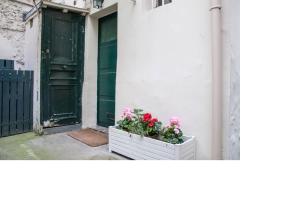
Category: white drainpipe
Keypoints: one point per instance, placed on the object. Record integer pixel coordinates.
(217, 116)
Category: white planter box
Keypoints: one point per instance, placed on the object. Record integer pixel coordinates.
(144, 148)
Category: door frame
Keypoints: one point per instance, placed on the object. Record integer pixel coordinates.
(44, 63)
(115, 12)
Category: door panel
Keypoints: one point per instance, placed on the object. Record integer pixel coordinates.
(64, 41)
(62, 67)
(107, 63)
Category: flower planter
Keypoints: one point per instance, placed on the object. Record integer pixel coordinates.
(144, 148)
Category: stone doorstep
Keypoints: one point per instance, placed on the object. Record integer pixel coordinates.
(61, 129)
(101, 129)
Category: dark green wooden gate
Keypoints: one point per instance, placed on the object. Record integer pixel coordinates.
(16, 101)
(107, 63)
(62, 67)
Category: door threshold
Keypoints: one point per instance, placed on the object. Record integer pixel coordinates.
(101, 129)
(61, 129)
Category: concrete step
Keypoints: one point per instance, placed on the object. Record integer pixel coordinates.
(61, 129)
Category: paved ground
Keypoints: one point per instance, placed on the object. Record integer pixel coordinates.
(51, 147)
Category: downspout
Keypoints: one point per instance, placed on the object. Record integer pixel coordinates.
(217, 97)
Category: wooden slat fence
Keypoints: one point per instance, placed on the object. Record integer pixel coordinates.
(6, 64)
(16, 102)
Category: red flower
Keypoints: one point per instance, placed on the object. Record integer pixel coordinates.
(151, 124)
(147, 117)
(154, 120)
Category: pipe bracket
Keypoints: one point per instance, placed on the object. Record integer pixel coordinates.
(215, 7)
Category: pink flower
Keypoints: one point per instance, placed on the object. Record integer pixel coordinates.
(127, 113)
(176, 131)
(174, 121)
(127, 110)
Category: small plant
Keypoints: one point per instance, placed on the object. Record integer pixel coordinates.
(151, 126)
(172, 133)
(127, 120)
(137, 122)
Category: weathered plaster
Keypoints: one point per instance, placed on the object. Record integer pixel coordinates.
(27, 2)
(89, 94)
(12, 31)
(32, 62)
(106, 5)
(164, 65)
(231, 67)
(79, 3)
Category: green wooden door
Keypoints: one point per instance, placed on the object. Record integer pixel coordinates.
(107, 62)
(62, 67)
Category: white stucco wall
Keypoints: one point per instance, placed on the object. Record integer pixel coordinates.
(89, 93)
(231, 69)
(106, 4)
(32, 61)
(89, 88)
(12, 31)
(164, 64)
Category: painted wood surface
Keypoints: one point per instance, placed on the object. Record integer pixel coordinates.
(16, 99)
(6, 64)
(144, 148)
(62, 67)
(107, 65)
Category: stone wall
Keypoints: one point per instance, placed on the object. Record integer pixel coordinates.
(12, 31)
(73, 3)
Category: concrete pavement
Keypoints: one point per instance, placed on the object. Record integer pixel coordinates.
(60, 146)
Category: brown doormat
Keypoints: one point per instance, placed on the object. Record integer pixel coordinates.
(90, 137)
